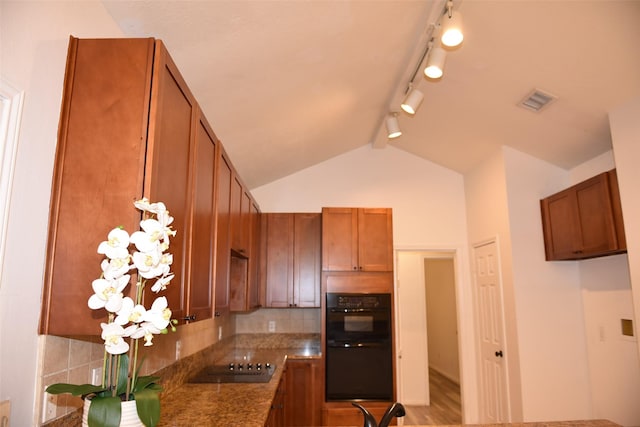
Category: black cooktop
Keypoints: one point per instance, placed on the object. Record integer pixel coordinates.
(235, 373)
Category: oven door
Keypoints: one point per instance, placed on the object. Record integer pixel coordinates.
(361, 372)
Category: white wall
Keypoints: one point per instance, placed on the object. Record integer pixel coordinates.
(625, 133)
(614, 365)
(33, 53)
(428, 213)
(555, 310)
(487, 218)
(551, 334)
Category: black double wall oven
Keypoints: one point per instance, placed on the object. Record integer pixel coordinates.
(359, 353)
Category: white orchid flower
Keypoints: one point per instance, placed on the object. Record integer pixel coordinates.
(129, 312)
(146, 330)
(116, 244)
(159, 314)
(112, 334)
(161, 283)
(149, 239)
(115, 268)
(145, 206)
(149, 264)
(108, 293)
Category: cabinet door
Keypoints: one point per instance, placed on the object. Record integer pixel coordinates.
(235, 214)
(560, 225)
(200, 300)
(167, 174)
(279, 259)
(593, 201)
(97, 173)
(583, 221)
(303, 402)
(254, 260)
(339, 239)
(375, 239)
(307, 259)
(223, 249)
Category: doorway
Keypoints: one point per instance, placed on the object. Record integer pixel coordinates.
(427, 325)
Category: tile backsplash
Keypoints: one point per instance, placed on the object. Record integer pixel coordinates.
(73, 360)
(281, 320)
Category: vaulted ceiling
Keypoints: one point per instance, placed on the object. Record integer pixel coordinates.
(287, 84)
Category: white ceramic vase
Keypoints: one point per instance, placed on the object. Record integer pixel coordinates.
(129, 416)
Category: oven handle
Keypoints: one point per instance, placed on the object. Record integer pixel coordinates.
(357, 344)
(353, 310)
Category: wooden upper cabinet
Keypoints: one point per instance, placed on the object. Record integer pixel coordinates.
(168, 170)
(127, 131)
(201, 279)
(357, 239)
(291, 259)
(223, 233)
(584, 221)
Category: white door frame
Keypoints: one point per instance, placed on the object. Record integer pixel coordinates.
(466, 325)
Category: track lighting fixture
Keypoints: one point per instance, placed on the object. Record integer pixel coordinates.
(445, 31)
(451, 34)
(393, 127)
(412, 101)
(435, 63)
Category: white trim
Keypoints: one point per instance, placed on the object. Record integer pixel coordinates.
(11, 101)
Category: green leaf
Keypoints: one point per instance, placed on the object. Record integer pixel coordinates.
(144, 382)
(148, 406)
(123, 372)
(74, 389)
(105, 412)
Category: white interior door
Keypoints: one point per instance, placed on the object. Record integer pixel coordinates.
(494, 402)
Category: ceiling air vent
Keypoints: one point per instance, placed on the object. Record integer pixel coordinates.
(536, 100)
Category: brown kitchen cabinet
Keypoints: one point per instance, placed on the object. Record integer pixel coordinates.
(127, 118)
(276, 417)
(245, 291)
(291, 260)
(223, 230)
(584, 221)
(303, 402)
(357, 239)
(201, 280)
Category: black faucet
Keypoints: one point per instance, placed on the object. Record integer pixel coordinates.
(394, 410)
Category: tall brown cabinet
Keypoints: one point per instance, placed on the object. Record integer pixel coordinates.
(130, 127)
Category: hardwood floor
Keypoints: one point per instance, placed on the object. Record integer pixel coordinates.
(445, 404)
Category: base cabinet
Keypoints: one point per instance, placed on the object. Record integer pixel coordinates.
(303, 402)
(276, 413)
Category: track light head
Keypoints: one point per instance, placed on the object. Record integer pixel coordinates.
(435, 63)
(412, 101)
(393, 127)
(451, 34)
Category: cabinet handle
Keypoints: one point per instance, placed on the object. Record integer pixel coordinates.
(499, 353)
(216, 314)
(189, 318)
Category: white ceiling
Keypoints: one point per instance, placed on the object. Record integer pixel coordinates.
(287, 84)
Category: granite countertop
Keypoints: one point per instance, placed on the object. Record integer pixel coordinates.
(235, 404)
